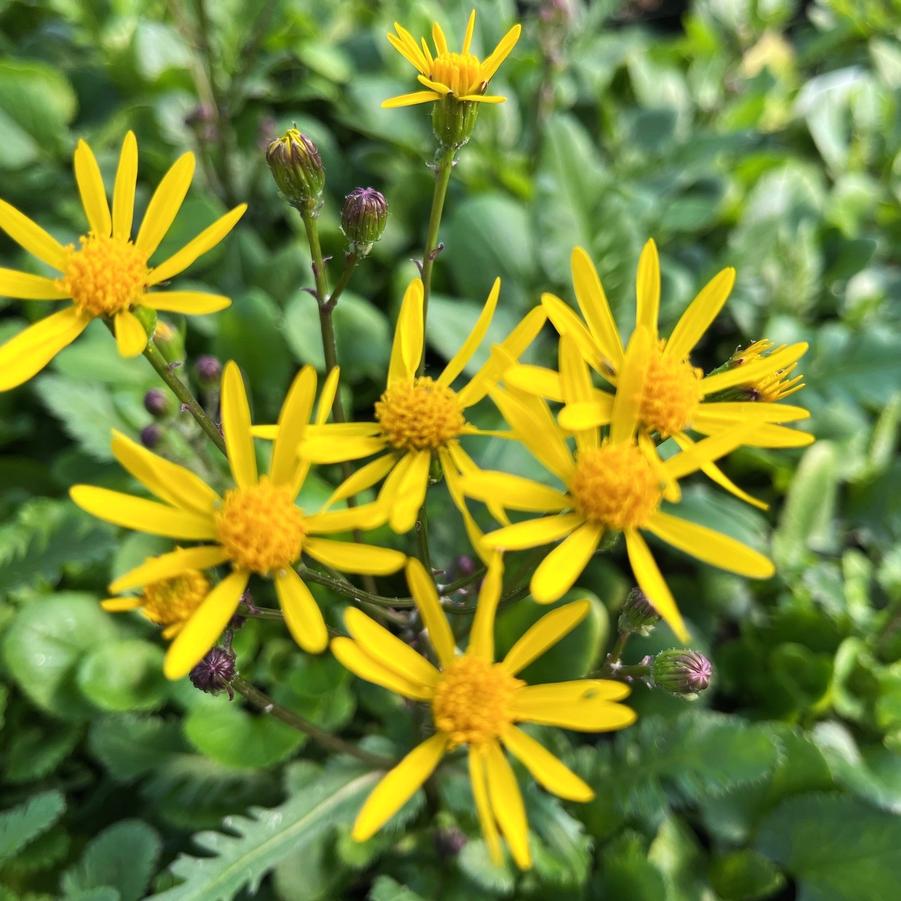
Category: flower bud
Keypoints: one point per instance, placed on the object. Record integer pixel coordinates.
(449, 841)
(681, 671)
(638, 614)
(453, 121)
(363, 219)
(208, 370)
(156, 403)
(297, 169)
(169, 341)
(151, 435)
(215, 672)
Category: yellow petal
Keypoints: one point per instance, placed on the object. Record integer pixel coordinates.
(422, 587)
(647, 289)
(514, 492)
(624, 416)
(32, 349)
(339, 447)
(478, 780)
(435, 86)
(131, 337)
(167, 480)
(327, 395)
(481, 636)
(544, 634)
(545, 768)
(390, 651)
(700, 313)
(351, 557)
(757, 369)
(535, 380)
(292, 423)
(439, 38)
(302, 614)
(483, 98)
(470, 27)
(412, 55)
(197, 246)
(573, 691)
(236, 427)
(557, 573)
(474, 339)
(695, 456)
(712, 414)
(588, 414)
(534, 532)
(90, 187)
(595, 308)
(493, 62)
(407, 348)
(167, 566)
(408, 491)
(354, 657)
(410, 99)
(32, 237)
(363, 516)
(506, 802)
(454, 486)
(191, 303)
(590, 714)
(398, 786)
(165, 204)
(142, 515)
(25, 286)
(363, 478)
(567, 323)
(121, 605)
(769, 435)
(651, 582)
(124, 188)
(205, 626)
(577, 387)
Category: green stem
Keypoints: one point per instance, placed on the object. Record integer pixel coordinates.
(350, 263)
(422, 538)
(444, 165)
(183, 393)
(264, 703)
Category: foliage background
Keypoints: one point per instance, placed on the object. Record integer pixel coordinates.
(758, 133)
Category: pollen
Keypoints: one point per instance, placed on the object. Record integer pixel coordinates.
(461, 72)
(105, 276)
(672, 392)
(472, 701)
(615, 486)
(421, 415)
(260, 527)
(173, 601)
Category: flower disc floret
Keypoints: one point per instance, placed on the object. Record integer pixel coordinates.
(105, 276)
(671, 394)
(459, 72)
(472, 701)
(419, 415)
(260, 527)
(174, 600)
(615, 486)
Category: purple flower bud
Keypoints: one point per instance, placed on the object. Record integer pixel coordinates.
(465, 565)
(156, 402)
(638, 614)
(363, 218)
(681, 671)
(151, 435)
(215, 672)
(208, 370)
(449, 841)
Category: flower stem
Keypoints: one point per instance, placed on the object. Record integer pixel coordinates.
(184, 394)
(444, 165)
(264, 703)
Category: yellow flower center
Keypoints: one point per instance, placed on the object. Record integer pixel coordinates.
(172, 601)
(615, 486)
(106, 276)
(461, 72)
(472, 701)
(421, 415)
(260, 527)
(672, 392)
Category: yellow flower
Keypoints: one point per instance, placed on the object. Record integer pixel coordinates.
(770, 386)
(169, 602)
(676, 398)
(417, 418)
(461, 76)
(256, 527)
(476, 702)
(109, 274)
(612, 484)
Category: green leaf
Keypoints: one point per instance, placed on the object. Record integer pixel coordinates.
(23, 824)
(626, 872)
(836, 847)
(36, 751)
(744, 876)
(387, 889)
(475, 861)
(123, 856)
(123, 675)
(257, 843)
(45, 643)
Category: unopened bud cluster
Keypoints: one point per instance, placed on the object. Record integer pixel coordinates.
(297, 170)
(363, 219)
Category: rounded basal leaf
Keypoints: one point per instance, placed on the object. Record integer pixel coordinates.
(45, 644)
(744, 876)
(124, 675)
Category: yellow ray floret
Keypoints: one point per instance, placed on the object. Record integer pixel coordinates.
(255, 527)
(477, 703)
(109, 274)
(462, 76)
(611, 484)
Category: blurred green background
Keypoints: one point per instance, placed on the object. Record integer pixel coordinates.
(762, 135)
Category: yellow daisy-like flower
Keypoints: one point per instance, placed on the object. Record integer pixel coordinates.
(611, 484)
(417, 418)
(677, 398)
(256, 527)
(169, 602)
(109, 274)
(477, 703)
(461, 76)
(771, 386)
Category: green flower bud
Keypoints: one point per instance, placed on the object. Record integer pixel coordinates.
(453, 121)
(638, 615)
(169, 340)
(363, 218)
(297, 169)
(681, 671)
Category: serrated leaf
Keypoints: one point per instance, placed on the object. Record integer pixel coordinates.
(387, 889)
(36, 751)
(42, 854)
(745, 876)
(257, 843)
(475, 861)
(23, 824)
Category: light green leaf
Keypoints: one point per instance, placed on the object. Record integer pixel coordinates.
(123, 675)
(24, 823)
